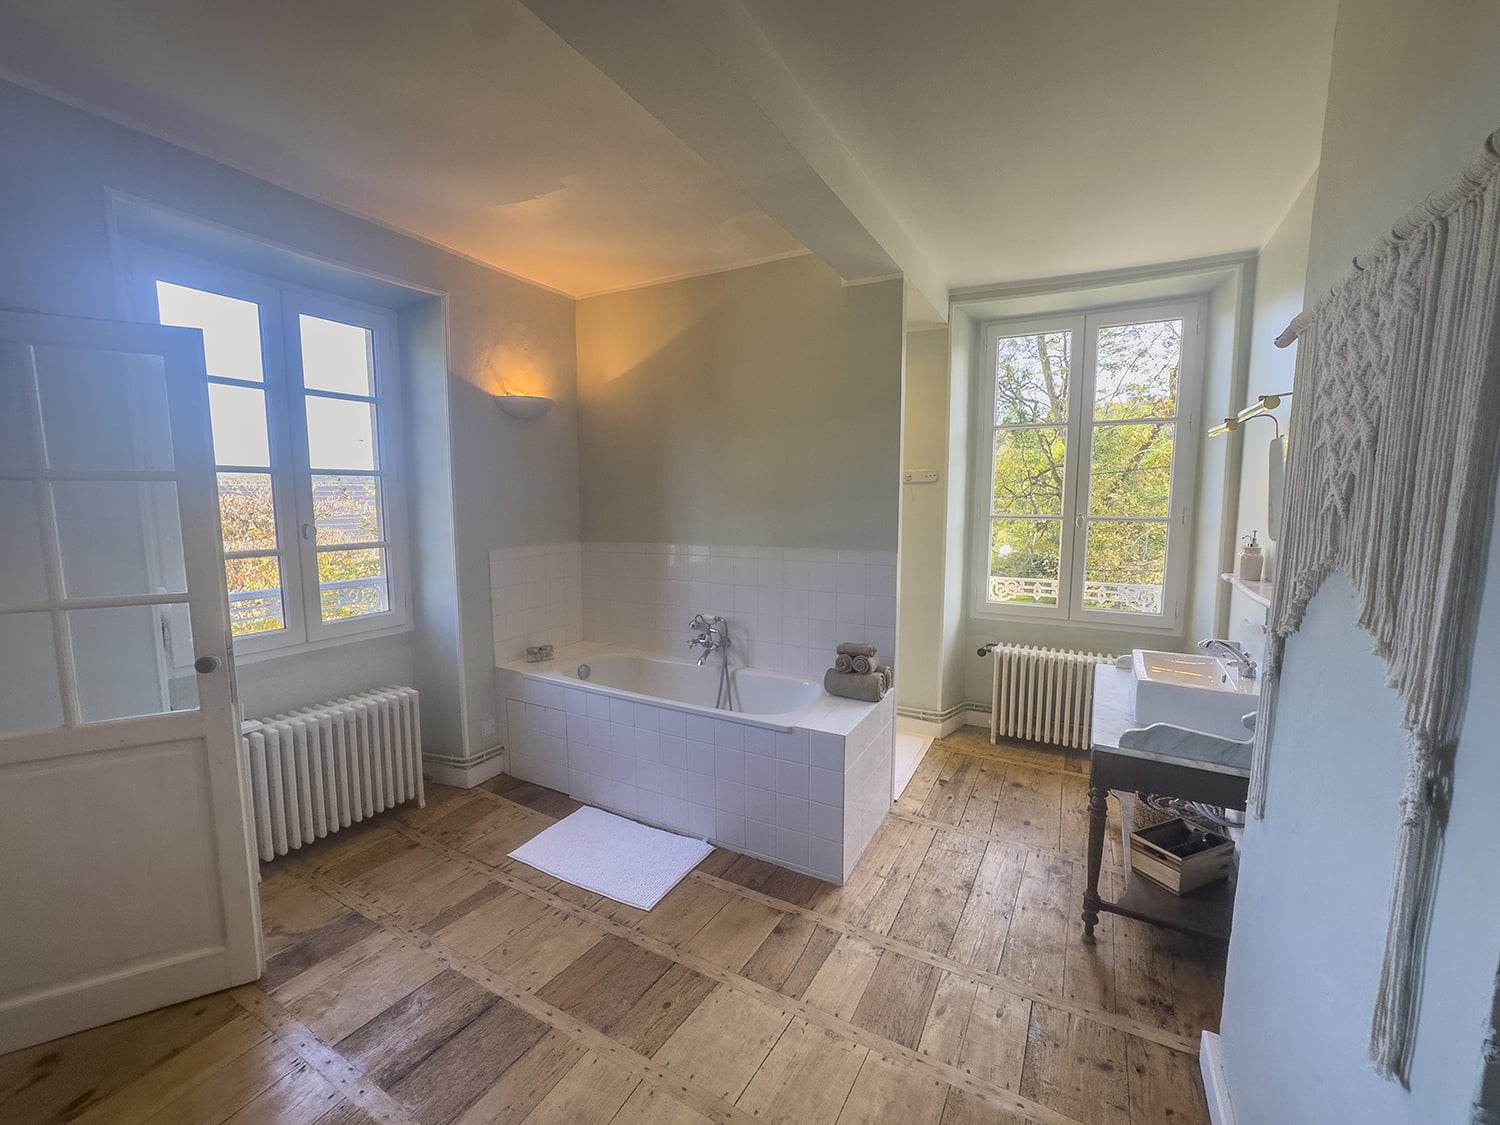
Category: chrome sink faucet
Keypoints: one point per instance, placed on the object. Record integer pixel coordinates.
(713, 635)
(1232, 653)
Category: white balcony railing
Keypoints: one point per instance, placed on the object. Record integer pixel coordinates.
(253, 611)
(1128, 597)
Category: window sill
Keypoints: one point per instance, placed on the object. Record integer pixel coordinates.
(990, 615)
(265, 655)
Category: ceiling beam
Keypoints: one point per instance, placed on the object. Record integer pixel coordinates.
(706, 71)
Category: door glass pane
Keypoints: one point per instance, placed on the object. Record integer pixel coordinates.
(346, 509)
(239, 421)
(29, 696)
(255, 601)
(103, 410)
(231, 328)
(119, 537)
(1029, 472)
(352, 583)
(1024, 558)
(337, 357)
(1137, 370)
(1031, 378)
(247, 514)
(15, 453)
(1131, 474)
(340, 434)
(23, 572)
(1126, 567)
(124, 668)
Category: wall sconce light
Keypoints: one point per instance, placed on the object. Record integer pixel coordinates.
(1263, 406)
(525, 407)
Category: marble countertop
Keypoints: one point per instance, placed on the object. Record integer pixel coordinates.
(1114, 729)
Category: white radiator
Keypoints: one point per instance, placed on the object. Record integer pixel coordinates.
(319, 769)
(1043, 694)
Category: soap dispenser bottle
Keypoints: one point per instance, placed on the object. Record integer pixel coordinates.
(1252, 560)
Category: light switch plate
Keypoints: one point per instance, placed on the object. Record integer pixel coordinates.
(919, 476)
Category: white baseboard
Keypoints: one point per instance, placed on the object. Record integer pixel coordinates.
(974, 718)
(465, 773)
(1215, 1081)
(939, 724)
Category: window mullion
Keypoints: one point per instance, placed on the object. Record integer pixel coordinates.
(302, 470)
(283, 482)
(1076, 478)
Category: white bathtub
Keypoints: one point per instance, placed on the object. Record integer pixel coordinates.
(755, 692)
(794, 776)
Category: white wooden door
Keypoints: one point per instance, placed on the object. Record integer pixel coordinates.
(126, 876)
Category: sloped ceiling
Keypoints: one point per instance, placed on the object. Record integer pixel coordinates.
(590, 145)
(467, 123)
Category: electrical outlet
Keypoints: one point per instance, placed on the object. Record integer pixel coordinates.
(486, 728)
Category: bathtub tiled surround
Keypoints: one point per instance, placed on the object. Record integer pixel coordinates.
(808, 796)
(787, 607)
(536, 597)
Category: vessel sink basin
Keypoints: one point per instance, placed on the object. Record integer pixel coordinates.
(1192, 690)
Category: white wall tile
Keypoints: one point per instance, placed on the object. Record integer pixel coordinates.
(791, 779)
(760, 804)
(536, 597)
(825, 859)
(760, 772)
(826, 786)
(760, 838)
(786, 607)
(793, 848)
(792, 812)
(826, 751)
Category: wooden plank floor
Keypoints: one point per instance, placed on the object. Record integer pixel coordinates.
(417, 975)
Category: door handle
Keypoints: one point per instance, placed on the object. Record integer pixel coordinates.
(206, 664)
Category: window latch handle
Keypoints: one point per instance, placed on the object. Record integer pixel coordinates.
(308, 531)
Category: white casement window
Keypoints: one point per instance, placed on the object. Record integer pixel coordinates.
(1089, 436)
(307, 443)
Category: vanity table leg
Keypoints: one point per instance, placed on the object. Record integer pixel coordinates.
(1098, 810)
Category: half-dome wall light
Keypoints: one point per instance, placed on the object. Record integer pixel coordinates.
(525, 407)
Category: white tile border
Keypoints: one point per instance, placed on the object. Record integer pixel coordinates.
(1215, 1080)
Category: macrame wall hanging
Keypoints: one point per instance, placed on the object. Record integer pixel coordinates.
(1391, 479)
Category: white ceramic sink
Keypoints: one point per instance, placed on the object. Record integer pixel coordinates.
(1190, 690)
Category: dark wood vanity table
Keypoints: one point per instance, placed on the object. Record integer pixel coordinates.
(1156, 760)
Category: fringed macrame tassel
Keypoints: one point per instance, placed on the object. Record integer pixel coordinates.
(1265, 719)
(1393, 1029)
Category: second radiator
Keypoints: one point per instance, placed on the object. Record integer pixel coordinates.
(1043, 694)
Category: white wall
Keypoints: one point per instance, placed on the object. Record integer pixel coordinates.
(924, 445)
(511, 483)
(1414, 91)
(757, 406)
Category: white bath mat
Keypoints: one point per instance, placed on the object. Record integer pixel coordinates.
(612, 856)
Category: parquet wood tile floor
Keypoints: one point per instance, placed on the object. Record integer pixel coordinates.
(415, 974)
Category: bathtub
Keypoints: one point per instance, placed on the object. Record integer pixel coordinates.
(766, 695)
(794, 775)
